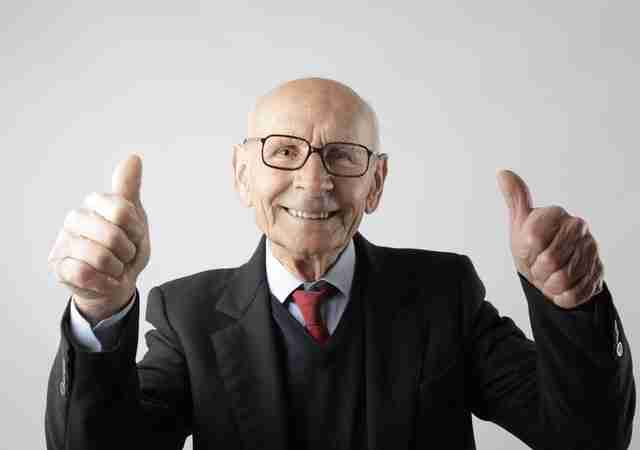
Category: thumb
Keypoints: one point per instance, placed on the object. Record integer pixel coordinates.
(516, 195)
(127, 179)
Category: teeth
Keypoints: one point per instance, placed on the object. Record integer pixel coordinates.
(306, 215)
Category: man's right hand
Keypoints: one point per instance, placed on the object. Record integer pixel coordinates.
(103, 246)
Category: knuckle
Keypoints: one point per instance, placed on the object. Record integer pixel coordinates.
(540, 272)
(557, 282)
(82, 275)
(557, 210)
(562, 281)
(112, 238)
(91, 198)
(118, 267)
(532, 240)
(547, 260)
(560, 299)
(110, 264)
(103, 260)
(119, 244)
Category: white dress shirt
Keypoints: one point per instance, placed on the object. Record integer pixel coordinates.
(281, 283)
(104, 334)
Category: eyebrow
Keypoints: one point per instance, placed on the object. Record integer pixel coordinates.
(344, 138)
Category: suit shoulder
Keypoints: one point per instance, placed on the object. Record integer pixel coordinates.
(421, 260)
(441, 274)
(449, 280)
(196, 287)
(206, 277)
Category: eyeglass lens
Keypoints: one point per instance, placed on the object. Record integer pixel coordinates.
(290, 153)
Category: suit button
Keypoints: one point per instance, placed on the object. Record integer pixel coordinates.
(619, 349)
(63, 388)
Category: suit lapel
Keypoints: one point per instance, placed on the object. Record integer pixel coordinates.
(394, 345)
(247, 358)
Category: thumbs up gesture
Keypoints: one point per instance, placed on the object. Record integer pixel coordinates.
(553, 250)
(104, 245)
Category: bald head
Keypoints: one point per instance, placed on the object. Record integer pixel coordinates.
(320, 108)
(309, 213)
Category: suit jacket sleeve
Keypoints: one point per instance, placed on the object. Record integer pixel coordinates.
(573, 388)
(105, 401)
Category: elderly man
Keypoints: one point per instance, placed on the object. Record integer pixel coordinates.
(323, 340)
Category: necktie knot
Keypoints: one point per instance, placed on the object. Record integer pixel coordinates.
(309, 303)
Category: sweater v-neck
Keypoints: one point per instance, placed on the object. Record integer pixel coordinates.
(313, 347)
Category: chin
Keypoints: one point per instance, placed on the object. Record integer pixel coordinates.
(307, 246)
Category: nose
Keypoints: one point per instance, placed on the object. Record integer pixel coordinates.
(313, 177)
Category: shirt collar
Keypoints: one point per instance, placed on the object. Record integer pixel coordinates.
(282, 282)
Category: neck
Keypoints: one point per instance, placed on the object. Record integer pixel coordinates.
(304, 266)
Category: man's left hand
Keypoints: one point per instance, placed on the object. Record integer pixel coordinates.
(552, 249)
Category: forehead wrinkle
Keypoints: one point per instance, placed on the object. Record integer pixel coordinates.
(314, 104)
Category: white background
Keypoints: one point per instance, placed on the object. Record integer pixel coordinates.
(548, 89)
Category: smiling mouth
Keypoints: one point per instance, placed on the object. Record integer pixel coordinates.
(319, 216)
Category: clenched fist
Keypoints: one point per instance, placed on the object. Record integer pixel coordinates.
(552, 249)
(104, 245)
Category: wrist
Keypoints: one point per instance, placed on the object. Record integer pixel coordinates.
(94, 310)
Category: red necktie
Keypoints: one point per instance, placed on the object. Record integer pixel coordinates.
(309, 303)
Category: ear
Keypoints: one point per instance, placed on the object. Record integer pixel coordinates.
(377, 185)
(240, 175)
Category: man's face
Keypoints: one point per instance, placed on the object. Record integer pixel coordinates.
(319, 114)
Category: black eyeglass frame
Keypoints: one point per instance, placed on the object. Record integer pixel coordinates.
(311, 149)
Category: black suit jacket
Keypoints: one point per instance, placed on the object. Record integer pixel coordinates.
(435, 352)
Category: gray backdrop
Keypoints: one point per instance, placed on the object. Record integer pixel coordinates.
(462, 89)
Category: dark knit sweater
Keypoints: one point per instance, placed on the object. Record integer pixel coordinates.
(324, 383)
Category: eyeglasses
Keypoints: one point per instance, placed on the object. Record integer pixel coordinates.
(341, 159)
